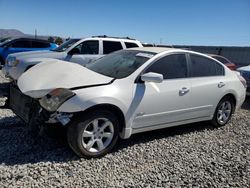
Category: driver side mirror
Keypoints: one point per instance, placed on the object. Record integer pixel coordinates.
(152, 77)
(74, 51)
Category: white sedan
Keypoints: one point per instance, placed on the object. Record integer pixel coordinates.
(127, 92)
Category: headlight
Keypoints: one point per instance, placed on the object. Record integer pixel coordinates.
(55, 99)
(12, 61)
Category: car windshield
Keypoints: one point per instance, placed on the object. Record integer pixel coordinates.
(66, 45)
(120, 64)
(4, 43)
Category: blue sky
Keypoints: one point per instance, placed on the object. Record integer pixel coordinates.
(191, 22)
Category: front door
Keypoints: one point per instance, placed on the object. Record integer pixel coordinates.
(85, 52)
(166, 102)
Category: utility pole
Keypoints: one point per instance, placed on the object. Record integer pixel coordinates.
(161, 40)
(35, 33)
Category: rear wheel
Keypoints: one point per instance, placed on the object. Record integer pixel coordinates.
(223, 112)
(94, 134)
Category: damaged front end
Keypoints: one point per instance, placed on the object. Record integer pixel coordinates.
(32, 112)
(41, 90)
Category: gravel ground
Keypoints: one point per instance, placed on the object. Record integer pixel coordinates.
(195, 155)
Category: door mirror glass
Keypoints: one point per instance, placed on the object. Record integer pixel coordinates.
(152, 77)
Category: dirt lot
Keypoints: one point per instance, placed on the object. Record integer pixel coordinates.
(194, 155)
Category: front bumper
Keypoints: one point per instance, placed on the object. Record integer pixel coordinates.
(26, 107)
(20, 104)
(30, 111)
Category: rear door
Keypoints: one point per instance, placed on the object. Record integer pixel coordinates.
(208, 84)
(166, 102)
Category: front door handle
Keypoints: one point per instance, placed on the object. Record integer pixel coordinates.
(183, 91)
(221, 84)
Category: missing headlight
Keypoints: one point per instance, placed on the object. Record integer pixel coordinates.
(55, 99)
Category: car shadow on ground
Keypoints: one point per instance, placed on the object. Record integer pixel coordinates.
(3, 89)
(246, 104)
(17, 146)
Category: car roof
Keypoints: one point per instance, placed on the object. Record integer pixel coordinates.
(27, 38)
(153, 49)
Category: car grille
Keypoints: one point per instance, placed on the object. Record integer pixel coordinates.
(20, 103)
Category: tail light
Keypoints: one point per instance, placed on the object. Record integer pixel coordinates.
(242, 80)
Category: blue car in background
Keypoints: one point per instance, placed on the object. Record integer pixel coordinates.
(23, 45)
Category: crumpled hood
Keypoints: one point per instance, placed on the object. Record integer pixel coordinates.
(46, 76)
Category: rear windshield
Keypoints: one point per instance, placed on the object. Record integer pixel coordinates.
(120, 64)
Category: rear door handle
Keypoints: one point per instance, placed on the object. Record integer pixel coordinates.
(221, 84)
(183, 91)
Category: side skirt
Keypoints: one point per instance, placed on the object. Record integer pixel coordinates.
(161, 126)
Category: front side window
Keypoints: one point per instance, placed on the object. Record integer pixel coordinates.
(171, 66)
(111, 46)
(202, 66)
(21, 44)
(120, 64)
(87, 47)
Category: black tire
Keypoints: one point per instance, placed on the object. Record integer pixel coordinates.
(34, 129)
(1, 61)
(80, 123)
(215, 121)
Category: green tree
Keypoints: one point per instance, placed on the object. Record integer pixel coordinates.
(59, 40)
(51, 39)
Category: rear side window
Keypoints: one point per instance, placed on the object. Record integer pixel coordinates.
(111, 46)
(38, 44)
(21, 44)
(202, 66)
(171, 66)
(131, 45)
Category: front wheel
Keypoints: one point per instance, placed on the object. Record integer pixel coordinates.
(223, 112)
(94, 134)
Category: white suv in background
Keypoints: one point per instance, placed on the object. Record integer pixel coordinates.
(75, 50)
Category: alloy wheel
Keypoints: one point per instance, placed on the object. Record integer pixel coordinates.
(224, 112)
(97, 135)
